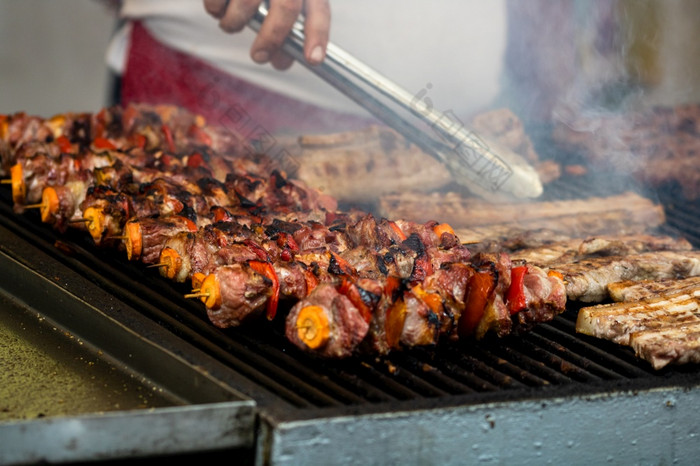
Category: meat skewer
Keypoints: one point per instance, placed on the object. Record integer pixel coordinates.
(254, 237)
(345, 305)
(458, 301)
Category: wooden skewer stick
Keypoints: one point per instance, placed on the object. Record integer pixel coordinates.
(80, 220)
(160, 264)
(6, 181)
(197, 295)
(117, 237)
(465, 243)
(34, 206)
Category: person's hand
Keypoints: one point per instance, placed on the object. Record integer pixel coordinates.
(233, 15)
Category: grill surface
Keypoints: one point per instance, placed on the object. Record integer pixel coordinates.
(551, 362)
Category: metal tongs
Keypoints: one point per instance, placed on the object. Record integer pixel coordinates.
(480, 165)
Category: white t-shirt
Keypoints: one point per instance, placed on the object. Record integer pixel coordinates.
(451, 49)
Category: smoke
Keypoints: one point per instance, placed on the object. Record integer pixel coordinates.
(597, 72)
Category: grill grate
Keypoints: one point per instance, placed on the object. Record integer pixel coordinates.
(551, 357)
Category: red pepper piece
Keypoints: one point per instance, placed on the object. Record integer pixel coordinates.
(397, 230)
(392, 284)
(221, 214)
(167, 161)
(168, 138)
(311, 281)
(340, 266)
(260, 252)
(196, 160)
(516, 299)
(349, 289)
(265, 269)
(479, 289)
(138, 140)
(285, 240)
(103, 144)
(199, 135)
(64, 144)
(188, 223)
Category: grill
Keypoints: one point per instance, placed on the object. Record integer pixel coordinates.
(245, 394)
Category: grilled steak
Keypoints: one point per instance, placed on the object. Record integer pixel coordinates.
(617, 321)
(662, 330)
(572, 250)
(659, 145)
(626, 213)
(673, 344)
(359, 166)
(630, 290)
(587, 280)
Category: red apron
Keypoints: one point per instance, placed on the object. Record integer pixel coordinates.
(157, 74)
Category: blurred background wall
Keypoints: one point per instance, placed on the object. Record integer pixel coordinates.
(52, 52)
(52, 55)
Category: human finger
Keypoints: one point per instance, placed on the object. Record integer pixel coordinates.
(316, 30)
(274, 30)
(216, 8)
(281, 60)
(237, 14)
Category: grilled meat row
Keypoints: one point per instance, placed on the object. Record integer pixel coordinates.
(136, 179)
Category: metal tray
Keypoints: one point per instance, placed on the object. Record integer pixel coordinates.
(86, 377)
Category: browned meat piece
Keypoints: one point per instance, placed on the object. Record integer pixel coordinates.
(621, 214)
(358, 166)
(664, 329)
(20, 129)
(587, 280)
(621, 245)
(561, 252)
(674, 344)
(145, 236)
(341, 331)
(618, 321)
(243, 294)
(361, 165)
(630, 290)
(564, 252)
(37, 172)
(210, 247)
(277, 191)
(66, 213)
(682, 169)
(546, 296)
